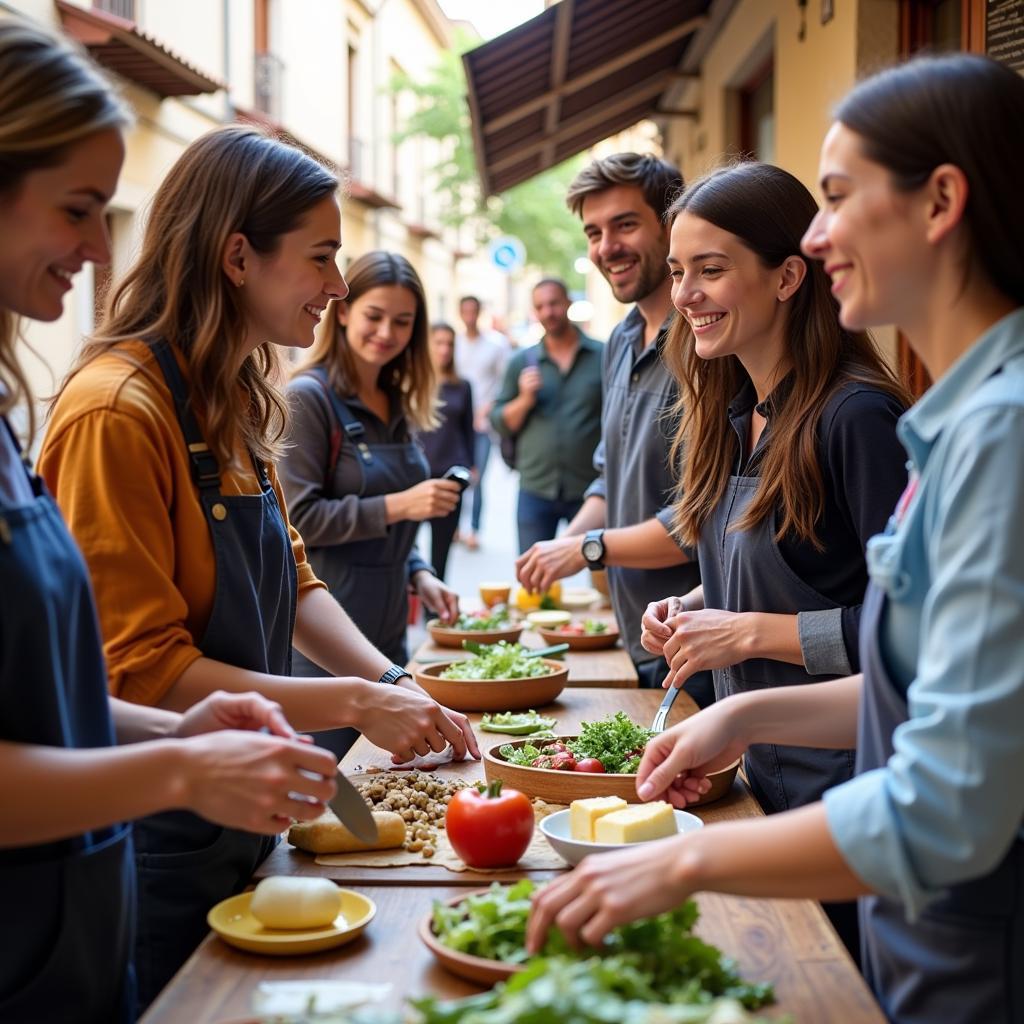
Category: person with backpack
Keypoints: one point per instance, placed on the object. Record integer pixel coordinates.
(358, 485)
(548, 415)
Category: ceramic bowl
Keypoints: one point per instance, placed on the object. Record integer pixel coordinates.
(556, 830)
(493, 694)
(445, 637)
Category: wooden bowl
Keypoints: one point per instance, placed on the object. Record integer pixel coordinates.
(586, 642)
(493, 694)
(473, 968)
(563, 787)
(445, 637)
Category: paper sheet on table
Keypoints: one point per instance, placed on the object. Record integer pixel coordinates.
(288, 997)
(538, 857)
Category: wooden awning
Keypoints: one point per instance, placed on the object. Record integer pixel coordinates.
(579, 72)
(122, 47)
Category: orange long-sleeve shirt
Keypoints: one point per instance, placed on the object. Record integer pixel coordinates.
(115, 459)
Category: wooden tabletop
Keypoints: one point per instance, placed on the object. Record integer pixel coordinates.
(611, 667)
(787, 942)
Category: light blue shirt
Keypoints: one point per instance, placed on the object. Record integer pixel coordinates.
(950, 801)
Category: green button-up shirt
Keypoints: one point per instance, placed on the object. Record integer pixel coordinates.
(555, 447)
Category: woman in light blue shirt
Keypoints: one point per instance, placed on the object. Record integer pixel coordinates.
(923, 226)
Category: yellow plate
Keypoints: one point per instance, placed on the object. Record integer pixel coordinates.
(232, 920)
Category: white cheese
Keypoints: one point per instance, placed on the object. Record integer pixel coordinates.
(584, 813)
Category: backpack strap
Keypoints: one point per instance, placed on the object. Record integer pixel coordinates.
(343, 420)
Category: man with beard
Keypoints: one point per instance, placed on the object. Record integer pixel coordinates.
(550, 403)
(624, 522)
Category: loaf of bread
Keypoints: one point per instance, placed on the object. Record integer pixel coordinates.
(286, 902)
(327, 835)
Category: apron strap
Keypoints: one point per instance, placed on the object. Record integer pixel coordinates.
(205, 468)
(354, 430)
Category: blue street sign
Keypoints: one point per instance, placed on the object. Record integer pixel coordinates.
(507, 253)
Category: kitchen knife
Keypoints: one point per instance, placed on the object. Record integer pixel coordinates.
(352, 810)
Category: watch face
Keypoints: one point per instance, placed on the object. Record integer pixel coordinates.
(592, 550)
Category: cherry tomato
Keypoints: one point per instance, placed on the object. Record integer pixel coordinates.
(489, 828)
(563, 762)
(589, 764)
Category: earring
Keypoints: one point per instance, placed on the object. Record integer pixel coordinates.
(241, 282)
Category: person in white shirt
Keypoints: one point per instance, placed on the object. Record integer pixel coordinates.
(480, 358)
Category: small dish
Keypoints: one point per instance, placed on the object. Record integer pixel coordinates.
(556, 830)
(579, 599)
(548, 619)
(582, 641)
(472, 968)
(233, 921)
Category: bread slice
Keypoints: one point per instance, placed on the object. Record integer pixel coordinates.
(327, 835)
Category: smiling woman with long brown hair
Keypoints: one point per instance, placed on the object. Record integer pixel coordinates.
(160, 452)
(788, 424)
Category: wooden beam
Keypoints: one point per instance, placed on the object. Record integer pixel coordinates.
(686, 112)
(638, 53)
(560, 40)
(477, 126)
(648, 89)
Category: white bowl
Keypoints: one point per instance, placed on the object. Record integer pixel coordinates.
(579, 599)
(556, 830)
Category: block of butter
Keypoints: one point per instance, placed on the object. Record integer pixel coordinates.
(584, 813)
(636, 824)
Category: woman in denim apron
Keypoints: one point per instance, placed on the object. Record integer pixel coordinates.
(803, 414)
(166, 431)
(67, 881)
(356, 479)
(922, 226)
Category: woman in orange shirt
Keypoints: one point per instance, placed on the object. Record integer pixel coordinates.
(161, 453)
(67, 882)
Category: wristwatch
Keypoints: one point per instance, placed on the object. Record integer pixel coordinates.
(593, 549)
(393, 674)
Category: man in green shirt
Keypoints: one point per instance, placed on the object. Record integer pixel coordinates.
(550, 404)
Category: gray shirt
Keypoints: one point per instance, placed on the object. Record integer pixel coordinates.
(634, 476)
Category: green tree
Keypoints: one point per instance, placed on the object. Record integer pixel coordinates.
(534, 211)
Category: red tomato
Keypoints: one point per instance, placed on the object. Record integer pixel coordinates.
(572, 629)
(489, 828)
(563, 762)
(589, 764)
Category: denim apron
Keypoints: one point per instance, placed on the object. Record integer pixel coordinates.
(185, 863)
(370, 578)
(962, 960)
(66, 930)
(744, 571)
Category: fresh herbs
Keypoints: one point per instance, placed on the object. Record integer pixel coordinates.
(517, 723)
(497, 661)
(478, 622)
(616, 741)
(653, 961)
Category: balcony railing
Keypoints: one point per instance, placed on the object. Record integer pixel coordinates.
(268, 82)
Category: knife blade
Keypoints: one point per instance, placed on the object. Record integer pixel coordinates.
(352, 810)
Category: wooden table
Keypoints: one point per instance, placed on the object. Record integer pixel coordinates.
(612, 667)
(788, 942)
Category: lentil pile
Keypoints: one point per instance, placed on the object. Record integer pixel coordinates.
(421, 800)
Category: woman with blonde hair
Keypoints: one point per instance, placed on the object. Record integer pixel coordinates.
(67, 882)
(161, 452)
(356, 480)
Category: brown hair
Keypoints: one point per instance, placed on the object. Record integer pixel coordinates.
(448, 373)
(409, 377)
(768, 210)
(961, 109)
(53, 96)
(659, 180)
(233, 179)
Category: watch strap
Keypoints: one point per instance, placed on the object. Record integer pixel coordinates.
(393, 674)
